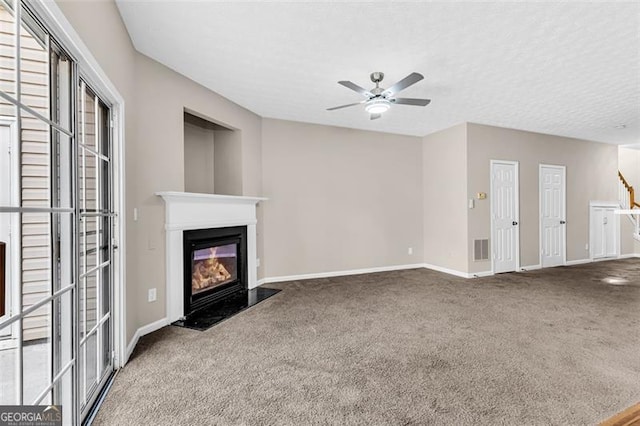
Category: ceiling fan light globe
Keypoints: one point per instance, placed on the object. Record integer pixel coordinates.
(377, 106)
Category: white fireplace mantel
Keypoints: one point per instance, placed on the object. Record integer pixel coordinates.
(184, 211)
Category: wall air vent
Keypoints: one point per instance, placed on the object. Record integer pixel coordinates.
(480, 250)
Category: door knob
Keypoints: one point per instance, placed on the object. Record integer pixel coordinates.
(562, 222)
(514, 223)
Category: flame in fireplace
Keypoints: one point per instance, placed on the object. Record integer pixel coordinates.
(208, 272)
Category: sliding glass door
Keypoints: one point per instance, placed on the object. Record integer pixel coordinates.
(56, 224)
(94, 239)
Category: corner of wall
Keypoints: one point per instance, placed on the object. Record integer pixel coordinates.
(444, 191)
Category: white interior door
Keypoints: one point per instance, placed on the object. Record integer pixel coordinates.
(504, 216)
(604, 232)
(552, 215)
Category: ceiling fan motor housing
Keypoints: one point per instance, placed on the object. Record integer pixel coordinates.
(377, 76)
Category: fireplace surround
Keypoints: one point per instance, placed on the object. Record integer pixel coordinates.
(186, 211)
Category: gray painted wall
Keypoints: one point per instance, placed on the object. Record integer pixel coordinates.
(444, 163)
(591, 176)
(339, 199)
(198, 159)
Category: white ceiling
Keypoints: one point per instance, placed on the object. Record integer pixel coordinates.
(570, 69)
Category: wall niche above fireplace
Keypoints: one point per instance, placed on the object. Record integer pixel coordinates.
(212, 156)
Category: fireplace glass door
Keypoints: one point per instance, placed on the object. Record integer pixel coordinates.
(213, 267)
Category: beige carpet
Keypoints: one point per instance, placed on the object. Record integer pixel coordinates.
(557, 346)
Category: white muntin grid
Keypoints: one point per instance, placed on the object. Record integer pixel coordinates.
(72, 187)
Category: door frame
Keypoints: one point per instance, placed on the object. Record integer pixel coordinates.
(564, 209)
(517, 209)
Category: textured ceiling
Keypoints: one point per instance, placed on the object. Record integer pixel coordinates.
(570, 69)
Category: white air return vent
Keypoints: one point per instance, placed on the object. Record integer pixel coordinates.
(480, 250)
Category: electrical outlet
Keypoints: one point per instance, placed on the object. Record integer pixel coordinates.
(586, 246)
(135, 214)
(410, 251)
(257, 262)
(152, 295)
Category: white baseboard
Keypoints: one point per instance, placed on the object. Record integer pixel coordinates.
(530, 268)
(629, 255)
(604, 259)
(480, 274)
(582, 261)
(446, 270)
(300, 277)
(144, 330)
(458, 273)
(338, 273)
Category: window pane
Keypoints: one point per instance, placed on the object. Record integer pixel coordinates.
(88, 305)
(92, 361)
(36, 261)
(61, 77)
(88, 243)
(63, 395)
(63, 325)
(62, 176)
(88, 185)
(7, 55)
(36, 353)
(35, 161)
(106, 346)
(88, 119)
(34, 66)
(8, 374)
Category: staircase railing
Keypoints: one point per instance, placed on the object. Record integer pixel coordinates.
(627, 200)
(626, 194)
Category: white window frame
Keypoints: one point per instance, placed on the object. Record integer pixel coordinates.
(91, 72)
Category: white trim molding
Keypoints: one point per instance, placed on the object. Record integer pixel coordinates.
(627, 256)
(142, 331)
(530, 268)
(185, 211)
(311, 276)
(315, 275)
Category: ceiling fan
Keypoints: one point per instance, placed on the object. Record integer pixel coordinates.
(379, 99)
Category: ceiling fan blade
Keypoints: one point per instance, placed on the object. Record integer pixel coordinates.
(411, 101)
(375, 116)
(345, 106)
(412, 78)
(356, 88)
